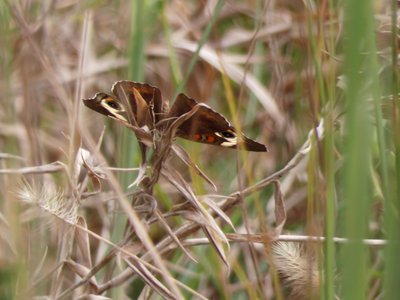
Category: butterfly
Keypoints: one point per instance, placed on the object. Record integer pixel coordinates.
(141, 104)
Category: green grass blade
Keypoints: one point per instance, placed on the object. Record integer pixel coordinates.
(391, 286)
(359, 71)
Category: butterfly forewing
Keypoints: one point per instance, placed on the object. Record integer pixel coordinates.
(107, 105)
(205, 120)
(209, 127)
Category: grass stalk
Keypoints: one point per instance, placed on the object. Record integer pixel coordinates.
(359, 70)
(391, 179)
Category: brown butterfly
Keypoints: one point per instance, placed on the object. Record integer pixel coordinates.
(142, 104)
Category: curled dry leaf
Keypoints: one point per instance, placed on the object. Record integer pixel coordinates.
(90, 168)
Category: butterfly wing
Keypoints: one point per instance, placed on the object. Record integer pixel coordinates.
(145, 100)
(107, 105)
(209, 127)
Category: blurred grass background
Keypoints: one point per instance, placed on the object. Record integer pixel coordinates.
(277, 69)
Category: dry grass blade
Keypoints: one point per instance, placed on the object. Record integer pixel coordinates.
(10, 156)
(218, 245)
(181, 185)
(164, 223)
(232, 200)
(89, 275)
(280, 211)
(47, 168)
(124, 276)
(182, 154)
(92, 297)
(151, 280)
(142, 234)
(220, 213)
(82, 239)
(39, 268)
(176, 180)
(82, 271)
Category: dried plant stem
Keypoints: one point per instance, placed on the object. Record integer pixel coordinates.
(260, 239)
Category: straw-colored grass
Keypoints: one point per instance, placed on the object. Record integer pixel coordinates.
(315, 217)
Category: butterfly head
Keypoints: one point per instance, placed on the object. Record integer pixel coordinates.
(106, 105)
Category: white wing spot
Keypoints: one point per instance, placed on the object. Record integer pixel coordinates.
(115, 112)
(231, 141)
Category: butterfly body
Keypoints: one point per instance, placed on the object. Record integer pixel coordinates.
(142, 104)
